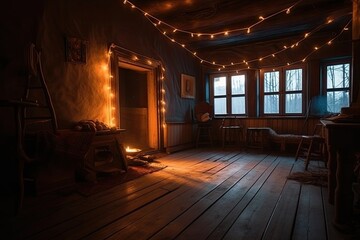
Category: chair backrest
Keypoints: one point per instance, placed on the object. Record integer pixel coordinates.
(203, 110)
(227, 122)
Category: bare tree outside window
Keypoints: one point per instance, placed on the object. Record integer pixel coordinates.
(271, 91)
(337, 87)
(229, 94)
(283, 91)
(293, 96)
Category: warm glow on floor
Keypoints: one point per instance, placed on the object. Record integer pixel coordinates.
(132, 150)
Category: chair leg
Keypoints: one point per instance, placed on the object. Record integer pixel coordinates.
(210, 136)
(197, 137)
(223, 135)
(307, 161)
(299, 149)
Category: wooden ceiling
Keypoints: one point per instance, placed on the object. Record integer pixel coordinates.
(266, 40)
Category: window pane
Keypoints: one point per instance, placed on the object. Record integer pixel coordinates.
(238, 105)
(336, 100)
(271, 81)
(220, 106)
(338, 76)
(294, 80)
(271, 103)
(238, 84)
(219, 86)
(293, 103)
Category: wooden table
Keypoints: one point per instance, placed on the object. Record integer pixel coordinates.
(343, 142)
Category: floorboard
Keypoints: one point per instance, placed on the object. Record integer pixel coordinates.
(201, 194)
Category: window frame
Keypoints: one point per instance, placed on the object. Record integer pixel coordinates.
(228, 95)
(282, 90)
(323, 71)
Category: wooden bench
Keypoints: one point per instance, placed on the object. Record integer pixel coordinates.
(262, 137)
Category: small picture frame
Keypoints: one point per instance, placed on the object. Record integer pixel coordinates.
(75, 50)
(187, 86)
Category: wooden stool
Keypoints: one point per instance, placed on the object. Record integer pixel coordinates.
(232, 130)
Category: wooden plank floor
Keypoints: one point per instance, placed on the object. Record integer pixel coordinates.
(201, 194)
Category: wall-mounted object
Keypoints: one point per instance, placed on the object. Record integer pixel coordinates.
(187, 86)
(75, 50)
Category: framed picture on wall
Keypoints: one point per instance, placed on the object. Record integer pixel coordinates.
(75, 50)
(187, 86)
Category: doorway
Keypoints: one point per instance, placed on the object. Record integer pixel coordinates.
(133, 103)
(137, 93)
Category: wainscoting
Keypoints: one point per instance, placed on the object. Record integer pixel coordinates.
(179, 136)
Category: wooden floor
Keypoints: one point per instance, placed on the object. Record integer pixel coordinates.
(201, 194)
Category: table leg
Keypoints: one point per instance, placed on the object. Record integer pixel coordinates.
(343, 193)
(332, 161)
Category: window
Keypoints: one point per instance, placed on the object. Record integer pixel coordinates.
(228, 94)
(282, 91)
(337, 81)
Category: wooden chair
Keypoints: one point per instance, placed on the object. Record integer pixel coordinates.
(231, 131)
(203, 112)
(312, 147)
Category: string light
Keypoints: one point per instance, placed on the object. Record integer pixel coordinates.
(212, 35)
(110, 95)
(154, 19)
(111, 110)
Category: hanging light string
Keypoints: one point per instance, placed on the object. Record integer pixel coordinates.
(296, 44)
(327, 43)
(157, 22)
(301, 60)
(270, 55)
(111, 85)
